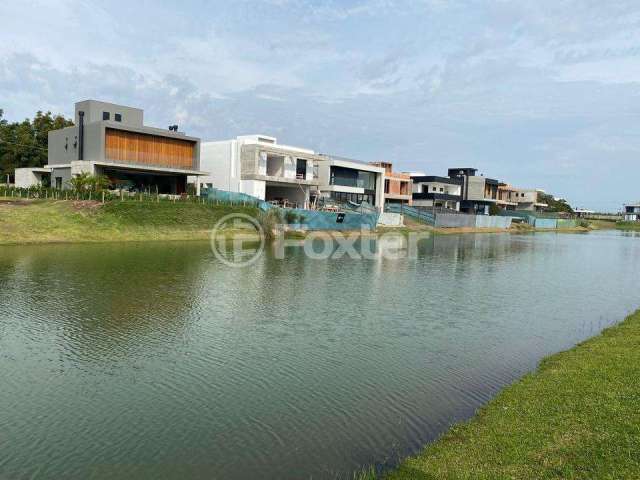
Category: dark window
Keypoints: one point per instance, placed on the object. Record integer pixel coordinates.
(441, 189)
(434, 189)
(118, 117)
(301, 169)
(353, 197)
(59, 183)
(348, 177)
(106, 115)
(386, 185)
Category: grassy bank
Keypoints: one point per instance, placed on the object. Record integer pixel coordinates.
(629, 226)
(41, 221)
(576, 417)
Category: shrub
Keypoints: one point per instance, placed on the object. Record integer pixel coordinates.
(290, 217)
(269, 222)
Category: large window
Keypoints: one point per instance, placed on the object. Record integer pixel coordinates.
(349, 177)
(357, 198)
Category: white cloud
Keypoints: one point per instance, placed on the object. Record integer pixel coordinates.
(536, 93)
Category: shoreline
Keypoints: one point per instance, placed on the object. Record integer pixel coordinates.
(40, 222)
(575, 416)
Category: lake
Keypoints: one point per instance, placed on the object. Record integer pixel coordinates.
(158, 361)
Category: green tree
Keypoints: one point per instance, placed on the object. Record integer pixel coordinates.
(24, 144)
(554, 205)
(85, 182)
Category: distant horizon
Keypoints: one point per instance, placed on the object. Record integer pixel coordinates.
(534, 94)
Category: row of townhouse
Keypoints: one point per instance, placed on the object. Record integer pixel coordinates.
(465, 191)
(112, 140)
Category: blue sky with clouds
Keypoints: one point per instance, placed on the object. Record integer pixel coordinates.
(536, 93)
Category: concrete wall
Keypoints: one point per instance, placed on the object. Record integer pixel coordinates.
(93, 144)
(255, 188)
(440, 187)
(64, 173)
(476, 188)
(93, 110)
(220, 160)
(27, 177)
(389, 219)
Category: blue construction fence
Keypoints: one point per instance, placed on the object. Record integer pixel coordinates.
(301, 218)
(319, 220)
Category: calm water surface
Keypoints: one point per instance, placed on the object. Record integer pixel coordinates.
(158, 361)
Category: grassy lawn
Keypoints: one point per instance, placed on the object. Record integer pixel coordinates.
(576, 417)
(634, 226)
(41, 221)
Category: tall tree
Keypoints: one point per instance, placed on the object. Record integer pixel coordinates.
(24, 144)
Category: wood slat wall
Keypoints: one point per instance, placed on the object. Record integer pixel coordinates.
(132, 147)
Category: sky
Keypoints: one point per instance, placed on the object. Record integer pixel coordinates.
(542, 94)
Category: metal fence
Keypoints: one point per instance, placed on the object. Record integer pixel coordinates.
(415, 213)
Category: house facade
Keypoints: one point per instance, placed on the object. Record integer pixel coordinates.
(478, 192)
(345, 180)
(397, 186)
(527, 199)
(112, 140)
(259, 166)
(507, 197)
(632, 212)
(434, 191)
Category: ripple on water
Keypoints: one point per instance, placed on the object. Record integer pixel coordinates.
(157, 361)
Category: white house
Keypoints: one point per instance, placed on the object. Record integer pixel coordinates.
(291, 176)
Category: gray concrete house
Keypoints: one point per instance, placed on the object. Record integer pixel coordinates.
(112, 140)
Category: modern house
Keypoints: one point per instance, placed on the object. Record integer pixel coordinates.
(345, 180)
(527, 199)
(478, 192)
(507, 197)
(259, 166)
(112, 140)
(433, 191)
(397, 186)
(632, 212)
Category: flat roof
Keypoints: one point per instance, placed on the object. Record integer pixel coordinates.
(434, 178)
(350, 163)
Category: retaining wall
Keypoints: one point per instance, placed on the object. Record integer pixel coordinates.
(455, 220)
(389, 219)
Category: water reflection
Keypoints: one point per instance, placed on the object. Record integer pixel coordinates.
(103, 301)
(156, 360)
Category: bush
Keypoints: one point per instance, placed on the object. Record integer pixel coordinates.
(269, 222)
(290, 217)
